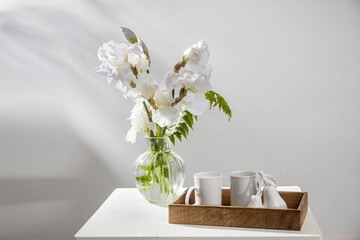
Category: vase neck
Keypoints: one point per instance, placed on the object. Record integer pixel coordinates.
(158, 144)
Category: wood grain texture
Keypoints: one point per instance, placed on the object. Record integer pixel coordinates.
(234, 216)
(303, 208)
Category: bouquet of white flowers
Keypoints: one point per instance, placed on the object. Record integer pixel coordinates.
(165, 109)
(168, 108)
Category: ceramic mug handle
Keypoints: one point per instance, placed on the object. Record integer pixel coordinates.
(188, 194)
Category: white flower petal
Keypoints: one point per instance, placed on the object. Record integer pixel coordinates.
(145, 88)
(170, 81)
(196, 73)
(163, 94)
(139, 122)
(112, 56)
(163, 97)
(196, 103)
(205, 69)
(131, 135)
(165, 116)
(152, 126)
(194, 81)
(137, 57)
(197, 53)
(115, 63)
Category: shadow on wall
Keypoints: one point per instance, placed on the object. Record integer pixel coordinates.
(57, 122)
(53, 187)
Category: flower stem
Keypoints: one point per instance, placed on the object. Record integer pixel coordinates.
(147, 111)
(150, 118)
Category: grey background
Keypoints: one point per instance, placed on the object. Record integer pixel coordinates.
(289, 70)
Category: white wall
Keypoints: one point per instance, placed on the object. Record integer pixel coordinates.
(289, 69)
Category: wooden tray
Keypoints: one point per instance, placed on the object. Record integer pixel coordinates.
(233, 216)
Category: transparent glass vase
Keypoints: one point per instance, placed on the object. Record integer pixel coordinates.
(159, 172)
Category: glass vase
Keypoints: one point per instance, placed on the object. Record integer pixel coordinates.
(159, 172)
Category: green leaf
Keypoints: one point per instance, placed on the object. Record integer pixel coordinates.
(189, 121)
(146, 168)
(172, 139)
(185, 127)
(178, 135)
(216, 99)
(157, 172)
(166, 171)
(157, 180)
(181, 129)
(129, 35)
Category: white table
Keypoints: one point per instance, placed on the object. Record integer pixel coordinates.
(127, 215)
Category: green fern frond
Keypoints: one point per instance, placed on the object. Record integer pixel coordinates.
(186, 121)
(217, 100)
(181, 128)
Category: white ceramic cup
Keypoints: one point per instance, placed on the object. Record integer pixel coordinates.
(242, 187)
(207, 186)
